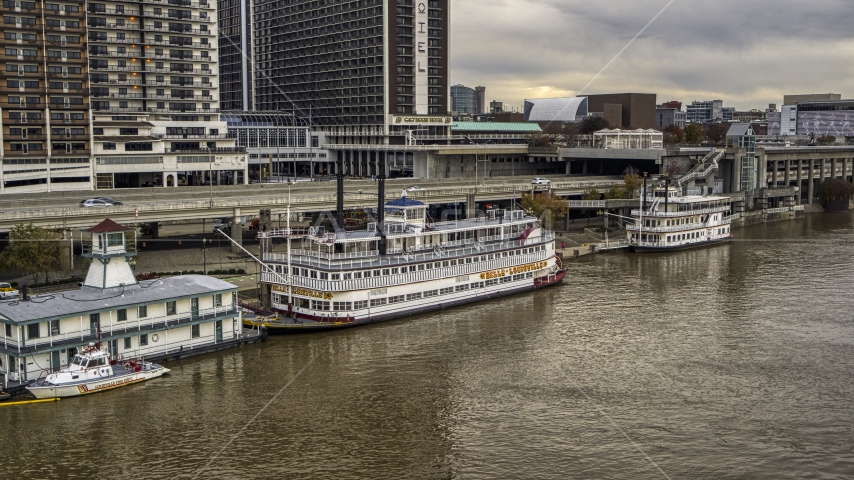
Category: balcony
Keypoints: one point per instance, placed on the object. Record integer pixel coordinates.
(178, 136)
(154, 110)
(207, 150)
(152, 96)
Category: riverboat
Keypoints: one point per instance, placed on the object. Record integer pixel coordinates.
(670, 221)
(93, 371)
(402, 264)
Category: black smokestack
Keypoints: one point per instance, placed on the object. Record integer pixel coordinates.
(24, 296)
(381, 208)
(340, 193)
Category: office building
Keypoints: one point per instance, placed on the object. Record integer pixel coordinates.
(704, 111)
(481, 100)
(44, 101)
(463, 100)
(625, 110)
(811, 97)
(154, 95)
(671, 104)
(666, 117)
(365, 71)
(235, 54)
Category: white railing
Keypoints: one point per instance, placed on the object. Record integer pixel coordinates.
(685, 213)
(587, 203)
(458, 248)
(776, 210)
(675, 228)
(410, 277)
(798, 208)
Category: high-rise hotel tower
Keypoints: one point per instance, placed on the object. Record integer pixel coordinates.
(364, 70)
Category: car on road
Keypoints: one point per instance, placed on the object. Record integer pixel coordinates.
(109, 200)
(220, 225)
(148, 183)
(541, 181)
(95, 202)
(414, 188)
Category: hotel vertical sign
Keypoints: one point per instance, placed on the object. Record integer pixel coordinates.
(421, 58)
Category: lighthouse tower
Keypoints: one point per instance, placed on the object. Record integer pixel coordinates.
(106, 246)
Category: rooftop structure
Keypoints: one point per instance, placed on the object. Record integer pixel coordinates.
(566, 109)
(629, 139)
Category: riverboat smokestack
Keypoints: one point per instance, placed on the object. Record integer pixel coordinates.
(339, 194)
(643, 208)
(666, 191)
(381, 245)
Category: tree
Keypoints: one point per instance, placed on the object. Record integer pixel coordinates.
(570, 130)
(836, 194)
(617, 192)
(673, 134)
(33, 250)
(593, 124)
(592, 194)
(545, 205)
(826, 140)
(673, 169)
(717, 133)
(631, 181)
(539, 139)
(694, 133)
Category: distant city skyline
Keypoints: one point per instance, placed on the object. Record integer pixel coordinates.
(748, 54)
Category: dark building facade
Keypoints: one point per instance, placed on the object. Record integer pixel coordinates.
(366, 68)
(626, 110)
(235, 54)
(44, 97)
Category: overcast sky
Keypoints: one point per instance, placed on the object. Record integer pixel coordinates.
(748, 53)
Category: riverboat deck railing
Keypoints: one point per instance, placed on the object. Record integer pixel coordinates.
(427, 252)
(682, 213)
(408, 276)
(114, 329)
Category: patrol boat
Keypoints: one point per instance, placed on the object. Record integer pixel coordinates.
(92, 371)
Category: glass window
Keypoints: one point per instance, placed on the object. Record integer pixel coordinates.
(33, 330)
(127, 343)
(195, 331)
(143, 311)
(218, 300)
(171, 308)
(143, 340)
(122, 314)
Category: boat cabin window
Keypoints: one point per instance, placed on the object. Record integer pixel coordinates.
(324, 276)
(336, 276)
(394, 271)
(295, 271)
(453, 262)
(357, 274)
(78, 360)
(348, 276)
(412, 268)
(421, 267)
(303, 272)
(313, 273)
(445, 263)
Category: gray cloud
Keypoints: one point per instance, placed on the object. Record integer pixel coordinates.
(749, 53)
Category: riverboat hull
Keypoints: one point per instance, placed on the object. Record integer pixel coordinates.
(307, 324)
(673, 248)
(110, 382)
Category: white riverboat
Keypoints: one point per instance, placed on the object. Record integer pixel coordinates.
(403, 264)
(92, 371)
(670, 221)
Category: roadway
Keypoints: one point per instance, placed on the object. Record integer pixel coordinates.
(142, 205)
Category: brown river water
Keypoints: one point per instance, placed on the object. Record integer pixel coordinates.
(730, 362)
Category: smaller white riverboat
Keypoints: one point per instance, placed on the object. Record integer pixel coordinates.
(92, 371)
(669, 221)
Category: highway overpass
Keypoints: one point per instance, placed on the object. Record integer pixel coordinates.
(144, 205)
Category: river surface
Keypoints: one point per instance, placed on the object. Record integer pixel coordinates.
(730, 362)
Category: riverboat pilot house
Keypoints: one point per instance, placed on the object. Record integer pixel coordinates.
(160, 318)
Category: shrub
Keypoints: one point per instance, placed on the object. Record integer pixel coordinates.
(241, 271)
(232, 271)
(14, 284)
